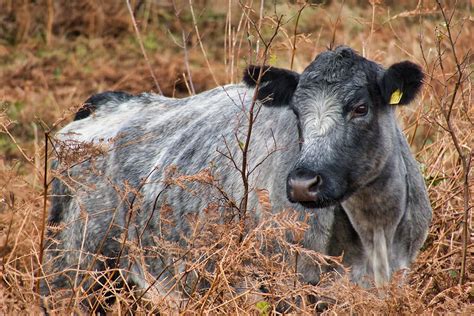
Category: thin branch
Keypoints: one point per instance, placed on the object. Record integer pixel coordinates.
(259, 27)
(465, 158)
(251, 118)
(185, 48)
(333, 37)
(200, 42)
(293, 50)
(45, 210)
(140, 42)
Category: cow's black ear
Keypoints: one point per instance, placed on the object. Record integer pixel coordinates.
(276, 85)
(401, 83)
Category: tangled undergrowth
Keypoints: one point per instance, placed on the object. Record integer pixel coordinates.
(55, 54)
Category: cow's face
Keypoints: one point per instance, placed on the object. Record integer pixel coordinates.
(346, 123)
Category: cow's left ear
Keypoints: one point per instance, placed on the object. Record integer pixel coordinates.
(276, 85)
(401, 83)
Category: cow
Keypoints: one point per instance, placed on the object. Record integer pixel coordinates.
(342, 163)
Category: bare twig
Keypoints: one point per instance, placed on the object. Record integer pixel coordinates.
(259, 27)
(45, 210)
(333, 37)
(140, 42)
(49, 23)
(464, 157)
(244, 170)
(293, 48)
(373, 4)
(184, 46)
(20, 149)
(200, 42)
(11, 205)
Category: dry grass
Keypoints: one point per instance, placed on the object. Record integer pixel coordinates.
(54, 54)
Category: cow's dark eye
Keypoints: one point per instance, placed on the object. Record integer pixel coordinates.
(360, 110)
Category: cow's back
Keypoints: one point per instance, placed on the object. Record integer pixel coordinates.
(140, 140)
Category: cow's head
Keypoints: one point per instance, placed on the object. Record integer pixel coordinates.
(344, 104)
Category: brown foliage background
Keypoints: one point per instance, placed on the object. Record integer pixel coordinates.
(54, 54)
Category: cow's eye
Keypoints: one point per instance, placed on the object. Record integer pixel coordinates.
(360, 110)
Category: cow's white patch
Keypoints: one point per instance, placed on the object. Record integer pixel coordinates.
(98, 126)
(322, 116)
(379, 257)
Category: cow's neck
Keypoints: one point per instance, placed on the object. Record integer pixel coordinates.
(375, 212)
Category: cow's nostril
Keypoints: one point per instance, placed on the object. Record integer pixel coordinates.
(315, 184)
(303, 185)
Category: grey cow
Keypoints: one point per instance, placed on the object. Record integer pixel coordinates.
(342, 162)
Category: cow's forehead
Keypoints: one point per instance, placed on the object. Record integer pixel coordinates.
(341, 66)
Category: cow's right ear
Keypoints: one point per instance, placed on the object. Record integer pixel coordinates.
(276, 86)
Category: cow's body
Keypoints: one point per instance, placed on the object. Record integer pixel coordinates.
(379, 227)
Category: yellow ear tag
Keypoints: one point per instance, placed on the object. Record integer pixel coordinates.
(396, 97)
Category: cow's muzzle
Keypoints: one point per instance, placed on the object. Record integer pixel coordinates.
(303, 185)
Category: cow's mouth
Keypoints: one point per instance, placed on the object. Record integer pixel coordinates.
(318, 203)
(321, 201)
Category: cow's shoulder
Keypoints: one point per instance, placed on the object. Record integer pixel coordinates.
(97, 100)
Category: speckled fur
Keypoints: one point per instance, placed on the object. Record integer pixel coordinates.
(374, 207)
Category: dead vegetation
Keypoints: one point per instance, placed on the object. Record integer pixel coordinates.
(54, 54)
